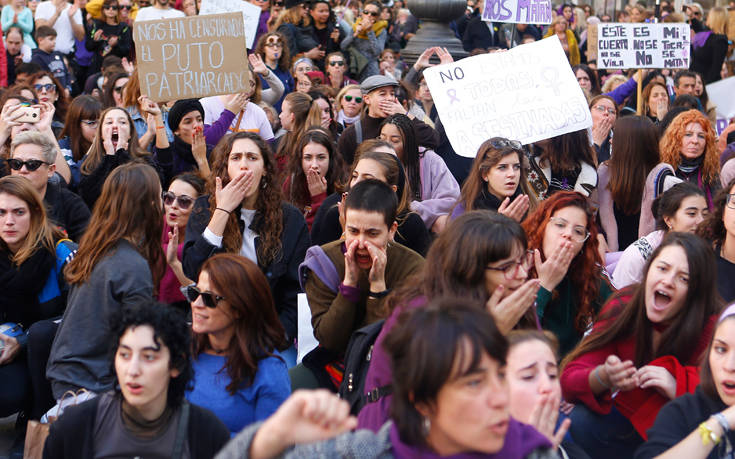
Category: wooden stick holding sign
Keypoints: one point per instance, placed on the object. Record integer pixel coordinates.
(192, 57)
(639, 98)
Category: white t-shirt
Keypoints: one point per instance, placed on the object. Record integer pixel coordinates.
(248, 236)
(151, 13)
(253, 119)
(64, 33)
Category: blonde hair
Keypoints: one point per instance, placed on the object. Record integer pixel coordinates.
(717, 20)
(615, 80)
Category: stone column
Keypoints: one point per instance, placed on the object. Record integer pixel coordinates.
(435, 17)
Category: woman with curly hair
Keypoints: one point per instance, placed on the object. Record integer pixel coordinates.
(497, 181)
(689, 149)
(273, 50)
(644, 349)
(719, 228)
(243, 213)
(314, 172)
(563, 234)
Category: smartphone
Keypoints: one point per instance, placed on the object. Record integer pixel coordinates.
(29, 114)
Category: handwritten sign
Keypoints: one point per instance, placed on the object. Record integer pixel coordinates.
(527, 94)
(191, 57)
(518, 11)
(250, 14)
(636, 46)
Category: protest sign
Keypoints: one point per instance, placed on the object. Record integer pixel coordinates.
(250, 14)
(527, 94)
(517, 11)
(642, 46)
(191, 57)
(720, 93)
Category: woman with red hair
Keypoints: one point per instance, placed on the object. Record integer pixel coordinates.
(689, 147)
(573, 288)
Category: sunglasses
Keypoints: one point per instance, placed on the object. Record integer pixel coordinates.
(500, 142)
(111, 7)
(336, 63)
(48, 87)
(191, 293)
(371, 13)
(126, 7)
(277, 3)
(91, 123)
(184, 201)
(358, 99)
(31, 165)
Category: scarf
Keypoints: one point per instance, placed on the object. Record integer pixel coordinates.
(488, 201)
(690, 165)
(345, 120)
(21, 286)
(378, 27)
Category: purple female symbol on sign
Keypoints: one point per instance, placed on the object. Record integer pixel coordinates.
(452, 93)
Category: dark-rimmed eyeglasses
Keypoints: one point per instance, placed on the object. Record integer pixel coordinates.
(111, 7)
(603, 109)
(48, 87)
(274, 44)
(358, 99)
(579, 232)
(191, 293)
(502, 142)
(184, 201)
(510, 269)
(31, 164)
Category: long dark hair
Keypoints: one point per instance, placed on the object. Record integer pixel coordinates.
(630, 320)
(410, 157)
(634, 155)
(592, 75)
(257, 330)
(713, 227)
(83, 107)
(566, 152)
(268, 204)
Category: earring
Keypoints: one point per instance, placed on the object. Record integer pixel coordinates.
(263, 183)
(427, 426)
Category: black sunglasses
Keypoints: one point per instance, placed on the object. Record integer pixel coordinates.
(371, 13)
(191, 292)
(336, 63)
(126, 7)
(110, 7)
(31, 164)
(358, 99)
(184, 201)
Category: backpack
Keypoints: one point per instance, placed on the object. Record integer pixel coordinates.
(357, 361)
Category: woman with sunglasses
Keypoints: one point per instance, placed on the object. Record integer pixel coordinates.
(367, 40)
(80, 128)
(33, 253)
(719, 229)
(50, 90)
(336, 71)
(644, 349)
(108, 36)
(275, 55)
(238, 372)
(349, 105)
(497, 181)
(563, 235)
(114, 90)
(178, 202)
(243, 213)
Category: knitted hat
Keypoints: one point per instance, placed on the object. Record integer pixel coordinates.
(180, 109)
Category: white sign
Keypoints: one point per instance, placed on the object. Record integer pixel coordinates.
(527, 94)
(720, 93)
(518, 11)
(250, 13)
(642, 46)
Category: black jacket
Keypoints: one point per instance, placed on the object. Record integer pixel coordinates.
(72, 435)
(708, 59)
(282, 273)
(67, 210)
(477, 35)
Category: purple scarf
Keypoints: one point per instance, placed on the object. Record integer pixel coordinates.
(520, 441)
(700, 38)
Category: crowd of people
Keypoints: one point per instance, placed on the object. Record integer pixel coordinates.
(566, 298)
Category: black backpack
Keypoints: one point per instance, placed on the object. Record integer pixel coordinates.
(357, 361)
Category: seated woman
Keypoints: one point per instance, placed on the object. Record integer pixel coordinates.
(145, 413)
(237, 371)
(719, 229)
(243, 213)
(435, 191)
(80, 127)
(573, 287)
(50, 90)
(535, 392)
(450, 399)
(349, 105)
(497, 181)
(315, 171)
(700, 425)
(33, 253)
(178, 203)
(115, 144)
(680, 209)
(375, 159)
(644, 349)
(481, 256)
(299, 112)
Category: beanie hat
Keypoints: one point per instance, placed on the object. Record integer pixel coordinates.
(180, 109)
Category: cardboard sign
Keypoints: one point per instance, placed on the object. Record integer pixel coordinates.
(518, 11)
(527, 94)
(250, 14)
(642, 46)
(191, 57)
(720, 93)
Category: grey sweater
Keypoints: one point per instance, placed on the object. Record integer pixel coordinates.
(80, 352)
